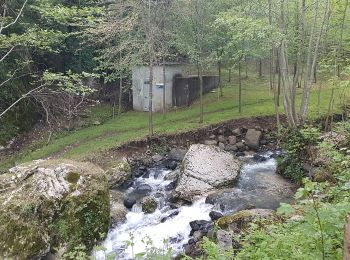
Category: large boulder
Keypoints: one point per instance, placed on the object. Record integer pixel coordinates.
(46, 205)
(206, 168)
(252, 138)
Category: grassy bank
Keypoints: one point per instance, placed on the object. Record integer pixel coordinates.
(257, 100)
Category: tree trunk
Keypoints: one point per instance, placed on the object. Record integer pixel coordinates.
(311, 63)
(151, 60)
(239, 88)
(220, 78)
(200, 77)
(260, 68)
(120, 88)
(164, 86)
(150, 99)
(246, 67)
(229, 74)
(120, 108)
(346, 247)
(114, 102)
(341, 49)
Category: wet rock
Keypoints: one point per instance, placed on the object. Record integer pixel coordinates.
(149, 205)
(198, 224)
(177, 154)
(210, 142)
(194, 249)
(241, 220)
(43, 197)
(252, 138)
(224, 239)
(173, 176)
(143, 169)
(240, 146)
(231, 148)
(259, 158)
(203, 226)
(249, 153)
(170, 164)
(197, 236)
(214, 215)
(232, 140)
(146, 174)
(191, 241)
(157, 158)
(177, 239)
(222, 146)
(118, 210)
(127, 184)
(173, 214)
(206, 168)
(170, 186)
(240, 154)
(129, 202)
(143, 189)
(222, 139)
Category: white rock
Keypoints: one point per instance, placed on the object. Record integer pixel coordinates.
(206, 168)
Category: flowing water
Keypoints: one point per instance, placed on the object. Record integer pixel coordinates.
(172, 224)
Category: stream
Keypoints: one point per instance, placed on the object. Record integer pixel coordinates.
(169, 226)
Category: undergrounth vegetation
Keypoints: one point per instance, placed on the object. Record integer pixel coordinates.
(81, 144)
(312, 227)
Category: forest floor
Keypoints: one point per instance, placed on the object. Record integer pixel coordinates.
(94, 140)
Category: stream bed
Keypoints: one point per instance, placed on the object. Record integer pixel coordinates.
(258, 187)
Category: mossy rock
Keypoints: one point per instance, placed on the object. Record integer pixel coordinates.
(149, 205)
(119, 174)
(242, 219)
(52, 204)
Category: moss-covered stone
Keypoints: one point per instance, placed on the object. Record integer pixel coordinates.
(149, 205)
(241, 219)
(119, 174)
(40, 211)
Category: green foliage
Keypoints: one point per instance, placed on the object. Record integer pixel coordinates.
(77, 253)
(69, 82)
(295, 142)
(151, 252)
(213, 252)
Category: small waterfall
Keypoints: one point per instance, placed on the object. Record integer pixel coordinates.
(137, 208)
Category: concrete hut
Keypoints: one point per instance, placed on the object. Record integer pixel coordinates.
(179, 90)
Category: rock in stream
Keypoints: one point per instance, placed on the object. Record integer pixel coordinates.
(206, 168)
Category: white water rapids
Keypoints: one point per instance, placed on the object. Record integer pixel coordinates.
(176, 229)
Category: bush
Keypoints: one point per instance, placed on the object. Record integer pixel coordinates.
(295, 142)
